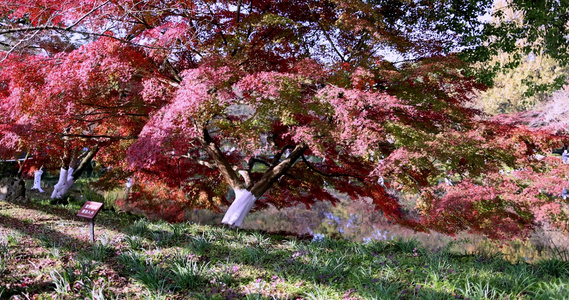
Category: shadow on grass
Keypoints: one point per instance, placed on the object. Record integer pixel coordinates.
(337, 276)
(328, 264)
(105, 219)
(72, 245)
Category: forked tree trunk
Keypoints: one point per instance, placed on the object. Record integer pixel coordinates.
(246, 191)
(68, 176)
(245, 198)
(66, 180)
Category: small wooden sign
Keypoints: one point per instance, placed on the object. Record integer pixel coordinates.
(90, 209)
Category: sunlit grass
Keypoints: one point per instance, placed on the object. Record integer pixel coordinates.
(157, 260)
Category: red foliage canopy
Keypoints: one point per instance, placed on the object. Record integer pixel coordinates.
(286, 99)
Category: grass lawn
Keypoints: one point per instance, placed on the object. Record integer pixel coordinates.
(45, 253)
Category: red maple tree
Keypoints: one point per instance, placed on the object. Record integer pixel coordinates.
(280, 102)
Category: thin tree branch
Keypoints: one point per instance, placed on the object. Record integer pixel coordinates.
(139, 20)
(214, 22)
(277, 157)
(358, 47)
(331, 42)
(87, 14)
(94, 136)
(311, 167)
(16, 46)
(60, 29)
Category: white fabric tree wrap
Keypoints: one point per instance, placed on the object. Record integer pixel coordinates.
(37, 181)
(65, 182)
(237, 211)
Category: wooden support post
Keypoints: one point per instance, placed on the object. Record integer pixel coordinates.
(89, 211)
(92, 225)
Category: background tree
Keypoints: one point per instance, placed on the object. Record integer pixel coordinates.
(553, 114)
(66, 108)
(523, 28)
(510, 92)
(524, 78)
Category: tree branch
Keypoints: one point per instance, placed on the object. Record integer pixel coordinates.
(311, 167)
(22, 165)
(85, 161)
(277, 157)
(206, 163)
(61, 28)
(175, 73)
(132, 15)
(16, 46)
(273, 174)
(214, 22)
(221, 161)
(87, 14)
(331, 42)
(238, 13)
(252, 162)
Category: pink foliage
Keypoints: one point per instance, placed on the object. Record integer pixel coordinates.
(193, 98)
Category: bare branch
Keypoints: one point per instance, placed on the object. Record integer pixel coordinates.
(214, 22)
(16, 46)
(65, 29)
(331, 42)
(87, 14)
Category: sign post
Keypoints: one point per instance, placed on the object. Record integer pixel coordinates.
(89, 211)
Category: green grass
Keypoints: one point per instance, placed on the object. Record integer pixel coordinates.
(189, 274)
(4, 255)
(136, 258)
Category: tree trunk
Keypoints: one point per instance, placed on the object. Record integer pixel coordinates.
(242, 204)
(245, 199)
(12, 189)
(67, 177)
(37, 181)
(65, 182)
